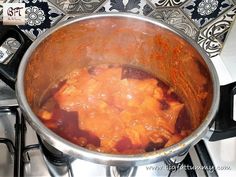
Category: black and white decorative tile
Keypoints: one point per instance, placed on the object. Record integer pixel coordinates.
(131, 6)
(78, 6)
(40, 16)
(203, 12)
(167, 3)
(190, 16)
(176, 18)
(212, 37)
(205, 21)
(147, 9)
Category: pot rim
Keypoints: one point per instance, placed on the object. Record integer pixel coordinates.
(111, 159)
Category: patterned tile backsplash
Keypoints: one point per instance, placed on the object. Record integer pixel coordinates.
(40, 16)
(205, 21)
(78, 6)
(176, 18)
(203, 12)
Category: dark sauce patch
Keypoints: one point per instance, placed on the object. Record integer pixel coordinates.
(92, 70)
(91, 138)
(124, 144)
(67, 127)
(155, 146)
(204, 71)
(169, 96)
(163, 86)
(183, 121)
(66, 121)
(208, 86)
(164, 105)
(173, 97)
(134, 73)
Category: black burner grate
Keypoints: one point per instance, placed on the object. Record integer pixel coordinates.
(14, 148)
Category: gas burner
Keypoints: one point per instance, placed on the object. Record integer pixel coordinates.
(121, 171)
(172, 166)
(53, 155)
(9, 144)
(10, 136)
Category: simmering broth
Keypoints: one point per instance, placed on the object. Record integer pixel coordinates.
(116, 109)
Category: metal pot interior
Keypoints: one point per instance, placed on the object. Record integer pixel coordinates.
(121, 40)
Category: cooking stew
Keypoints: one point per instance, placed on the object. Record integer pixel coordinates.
(117, 109)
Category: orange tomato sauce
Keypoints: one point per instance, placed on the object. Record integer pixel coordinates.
(116, 109)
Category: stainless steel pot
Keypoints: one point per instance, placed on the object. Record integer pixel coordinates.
(183, 64)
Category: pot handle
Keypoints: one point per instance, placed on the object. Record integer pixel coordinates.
(8, 71)
(225, 126)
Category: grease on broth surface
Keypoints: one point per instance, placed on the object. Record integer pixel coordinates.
(116, 109)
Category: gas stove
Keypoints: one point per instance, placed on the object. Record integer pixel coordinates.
(24, 155)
